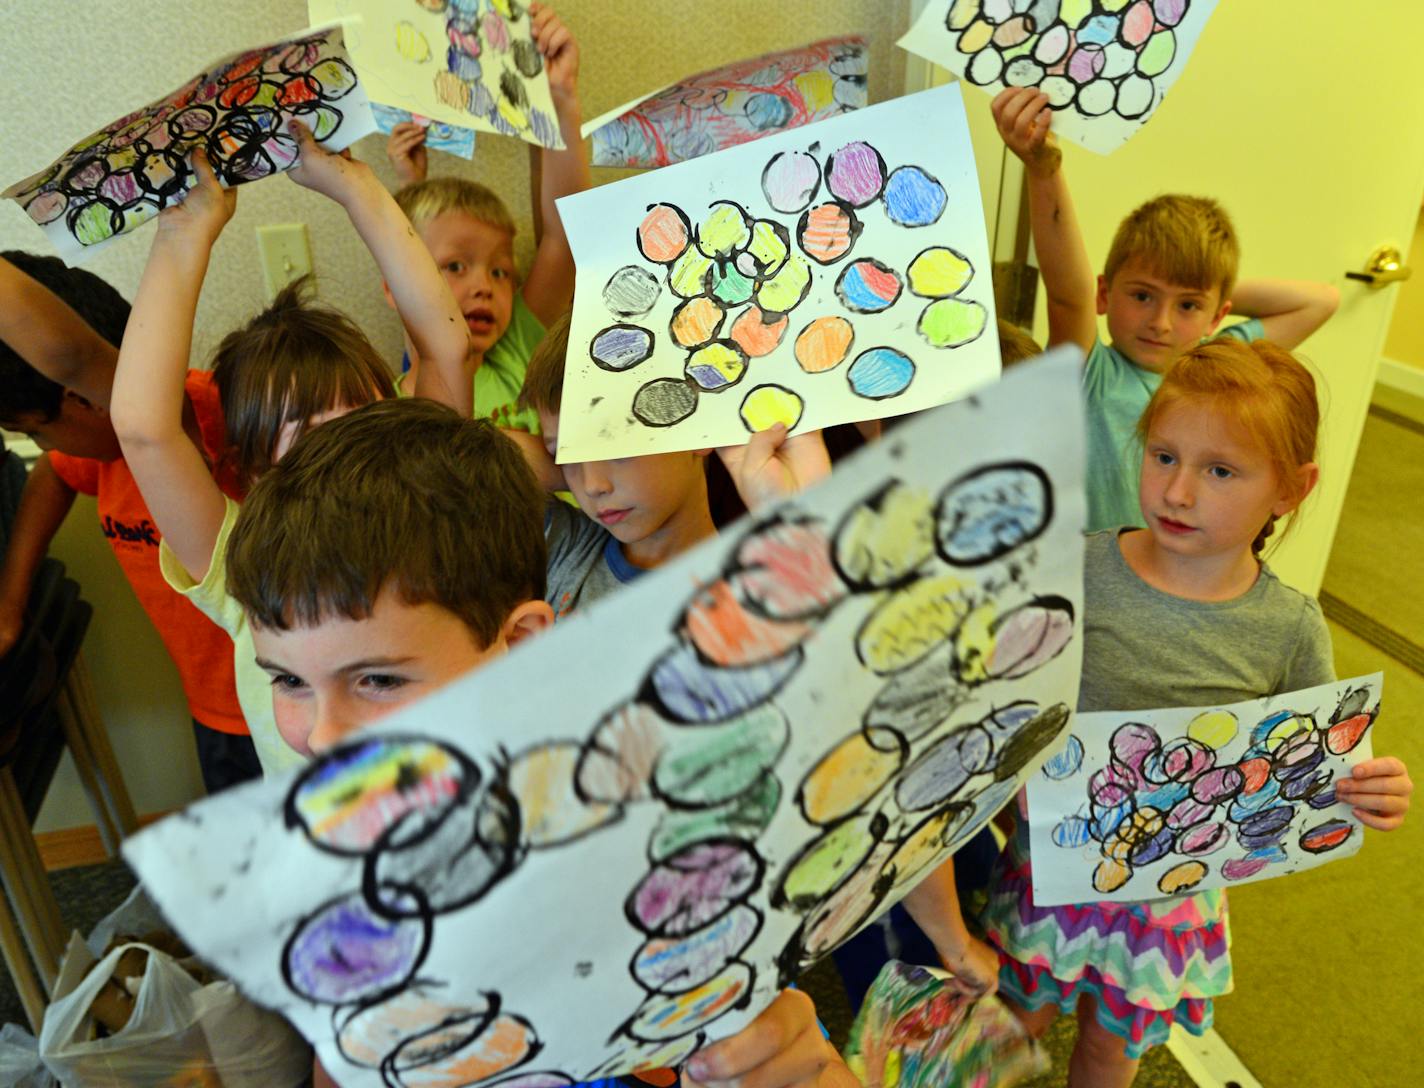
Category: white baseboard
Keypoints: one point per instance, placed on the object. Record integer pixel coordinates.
(1209, 1061)
(1401, 376)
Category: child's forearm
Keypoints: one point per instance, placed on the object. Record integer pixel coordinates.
(43, 331)
(934, 905)
(148, 402)
(433, 321)
(549, 288)
(1289, 310)
(1068, 281)
(44, 502)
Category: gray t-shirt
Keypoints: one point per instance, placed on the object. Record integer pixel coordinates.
(1144, 649)
(585, 561)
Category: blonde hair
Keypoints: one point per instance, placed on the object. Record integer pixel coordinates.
(1187, 240)
(1261, 388)
(291, 362)
(425, 200)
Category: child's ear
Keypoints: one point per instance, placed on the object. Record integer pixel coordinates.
(1306, 477)
(527, 619)
(1220, 316)
(1102, 295)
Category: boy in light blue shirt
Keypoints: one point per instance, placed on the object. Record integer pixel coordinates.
(1169, 280)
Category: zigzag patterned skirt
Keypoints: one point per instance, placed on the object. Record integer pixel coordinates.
(1148, 965)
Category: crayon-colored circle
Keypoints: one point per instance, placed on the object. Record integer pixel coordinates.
(878, 373)
(1096, 98)
(46, 207)
(766, 250)
(729, 285)
(346, 952)
(785, 290)
(827, 232)
(688, 275)
(1169, 12)
(824, 344)
(663, 234)
(1157, 55)
(952, 322)
(939, 272)
(1134, 96)
(663, 402)
(696, 321)
(913, 198)
(724, 230)
(856, 174)
(717, 366)
(631, 291)
(1326, 836)
(790, 180)
(767, 405)
(1138, 22)
(759, 333)
(621, 347)
(868, 287)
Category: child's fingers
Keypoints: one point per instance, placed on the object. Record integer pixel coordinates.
(1378, 767)
(1378, 822)
(1387, 803)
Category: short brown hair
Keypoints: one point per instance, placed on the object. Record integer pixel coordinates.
(401, 494)
(1260, 387)
(291, 362)
(427, 199)
(544, 377)
(1187, 240)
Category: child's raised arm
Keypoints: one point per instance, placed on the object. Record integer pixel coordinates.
(549, 287)
(934, 905)
(437, 328)
(770, 466)
(406, 149)
(1290, 310)
(42, 330)
(1023, 118)
(148, 398)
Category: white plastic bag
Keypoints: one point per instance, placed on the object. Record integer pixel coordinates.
(20, 1065)
(181, 1034)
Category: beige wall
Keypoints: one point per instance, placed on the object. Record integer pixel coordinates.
(63, 78)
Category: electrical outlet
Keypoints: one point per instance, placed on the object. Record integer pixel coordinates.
(285, 252)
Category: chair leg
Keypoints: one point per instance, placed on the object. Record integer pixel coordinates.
(28, 884)
(22, 971)
(80, 688)
(85, 764)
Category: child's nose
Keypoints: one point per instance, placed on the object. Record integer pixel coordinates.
(596, 478)
(328, 727)
(1179, 489)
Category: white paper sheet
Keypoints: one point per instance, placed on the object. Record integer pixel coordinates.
(621, 839)
(1145, 804)
(471, 63)
(834, 273)
(1105, 66)
(237, 109)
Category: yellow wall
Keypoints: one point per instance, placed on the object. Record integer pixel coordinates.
(1405, 343)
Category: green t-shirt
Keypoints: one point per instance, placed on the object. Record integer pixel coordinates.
(501, 375)
(1116, 391)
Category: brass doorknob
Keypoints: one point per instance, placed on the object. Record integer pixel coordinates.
(1383, 267)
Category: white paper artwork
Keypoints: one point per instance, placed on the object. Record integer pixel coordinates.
(1145, 804)
(1105, 65)
(833, 273)
(624, 838)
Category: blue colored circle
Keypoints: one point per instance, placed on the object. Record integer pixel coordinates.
(913, 198)
(880, 373)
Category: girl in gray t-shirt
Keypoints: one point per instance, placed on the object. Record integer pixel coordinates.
(1182, 613)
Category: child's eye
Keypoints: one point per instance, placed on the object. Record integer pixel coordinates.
(286, 683)
(455, 267)
(1221, 472)
(1162, 457)
(1141, 296)
(500, 273)
(382, 682)
(1191, 305)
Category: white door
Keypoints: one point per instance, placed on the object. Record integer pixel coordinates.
(1307, 121)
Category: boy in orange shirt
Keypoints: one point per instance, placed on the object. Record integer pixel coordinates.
(56, 374)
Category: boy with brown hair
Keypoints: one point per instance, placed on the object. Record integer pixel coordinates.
(1170, 279)
(470, 233)
(444, 575)
(637, 512)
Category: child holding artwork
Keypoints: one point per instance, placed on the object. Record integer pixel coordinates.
(56, 377)
(1169, 280)
(470, 233)
(1182, 613)
(446, 575)
(290, 368)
